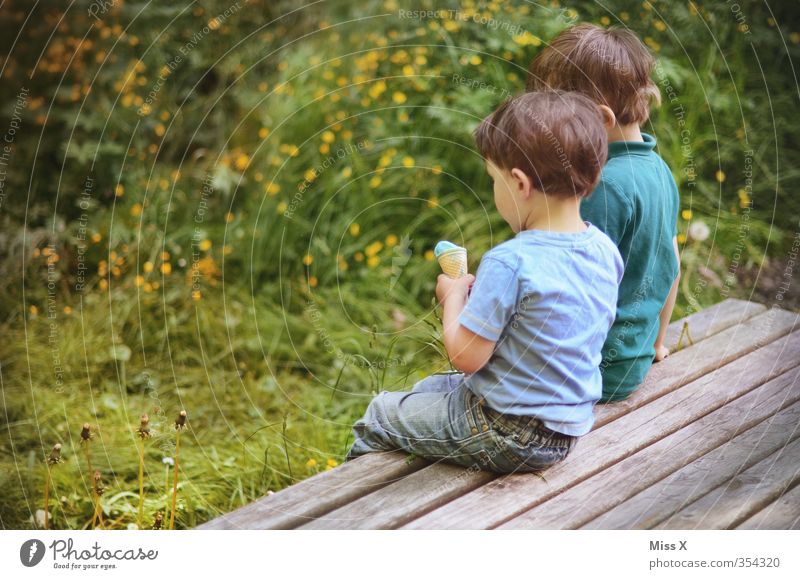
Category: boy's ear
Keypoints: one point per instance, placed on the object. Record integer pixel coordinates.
(522, 182)
(609, 118)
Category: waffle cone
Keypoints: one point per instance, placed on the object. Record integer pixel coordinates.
(454, 263)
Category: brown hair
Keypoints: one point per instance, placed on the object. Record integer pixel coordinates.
(610, 66)
(556, 138)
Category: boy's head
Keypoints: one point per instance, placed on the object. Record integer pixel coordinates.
(611, 66)
(553, 142)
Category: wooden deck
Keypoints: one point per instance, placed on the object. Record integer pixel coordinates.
(710, 441)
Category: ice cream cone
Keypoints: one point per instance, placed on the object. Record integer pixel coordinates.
(452, 259)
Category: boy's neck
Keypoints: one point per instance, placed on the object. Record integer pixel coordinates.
(555, 214)
(628, 133)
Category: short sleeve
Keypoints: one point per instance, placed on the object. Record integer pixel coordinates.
(609, 210)
(492, 300)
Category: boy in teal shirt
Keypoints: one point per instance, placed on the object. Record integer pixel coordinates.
(636, 201)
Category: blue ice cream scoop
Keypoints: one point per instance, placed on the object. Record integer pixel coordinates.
(444, 246)
(452, 259)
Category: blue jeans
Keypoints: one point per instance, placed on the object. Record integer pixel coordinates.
(441, 419)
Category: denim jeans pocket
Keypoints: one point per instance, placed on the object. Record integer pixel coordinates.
(524, 443)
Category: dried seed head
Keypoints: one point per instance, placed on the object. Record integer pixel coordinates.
(98, 483)
(86, 432)
(180, 422)
(55, 455)
(157, 521)
(144, 427)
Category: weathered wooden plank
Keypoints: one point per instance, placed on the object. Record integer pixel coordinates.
(783, 514)
(712, 320)
(402, 501)
(609, 488)
(405, 499)
(319, 494)
(743, 496)
(702, 325)
(653, 505)
(508, 496)
(687, 365)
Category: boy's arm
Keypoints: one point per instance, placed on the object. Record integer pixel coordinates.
(666, 312)
(468, 351)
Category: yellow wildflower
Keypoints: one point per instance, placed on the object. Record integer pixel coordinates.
(408, 161)
(526, 38)
(242, 161)
(377, 89)
(205, 245)
(373, 248)
(744, 198)
(354, 229)
(308, 259)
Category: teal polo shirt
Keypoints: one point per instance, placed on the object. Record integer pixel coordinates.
(636, 204)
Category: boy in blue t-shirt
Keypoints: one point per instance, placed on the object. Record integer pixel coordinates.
(528, 334)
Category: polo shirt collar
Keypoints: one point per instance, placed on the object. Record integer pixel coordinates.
(619, 148)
